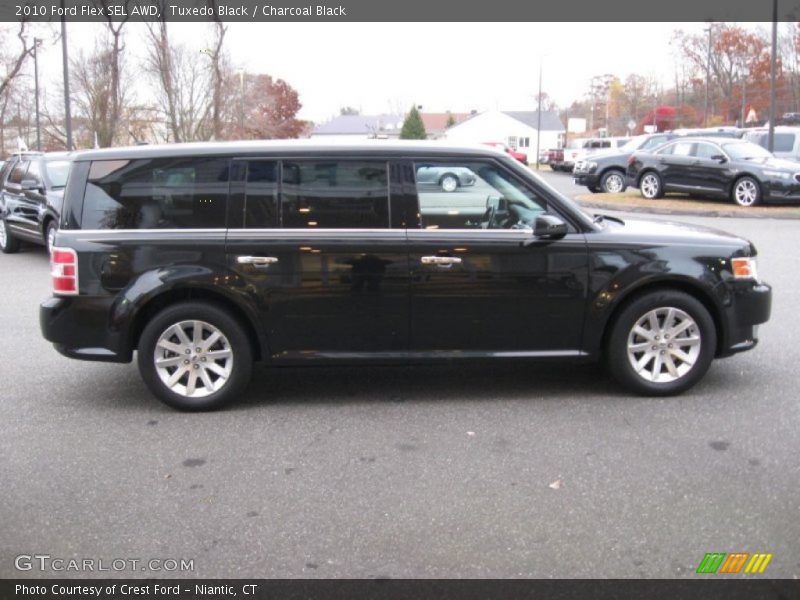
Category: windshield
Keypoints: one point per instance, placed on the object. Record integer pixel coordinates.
(634, 143)
(745, 151)
(57, 171)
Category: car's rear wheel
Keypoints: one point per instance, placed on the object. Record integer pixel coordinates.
(746, 192)
(8, 243)
(448, 182)
(662, 343)
(195, 356)
(650, 186)
(612, 182)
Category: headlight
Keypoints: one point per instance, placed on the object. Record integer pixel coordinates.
(591, 166)
(777, 174)
(744, 268)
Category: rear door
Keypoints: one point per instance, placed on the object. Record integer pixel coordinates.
(675, 164)
(476, 289)
(320, 249)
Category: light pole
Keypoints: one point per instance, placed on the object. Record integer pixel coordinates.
(772, 69)
(539, 114)
(709, 29)
(36, 92)
(65, 61)
(241, 103)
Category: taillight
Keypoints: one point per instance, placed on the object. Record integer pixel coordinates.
(64, 269)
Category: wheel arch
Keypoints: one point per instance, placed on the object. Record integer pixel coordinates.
(697, 292)
(156, 303)
(740, 176)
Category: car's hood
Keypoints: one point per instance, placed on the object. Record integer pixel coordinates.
(672, 232)
(779, 164)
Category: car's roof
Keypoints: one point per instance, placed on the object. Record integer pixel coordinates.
(288, 147)
(714, 139)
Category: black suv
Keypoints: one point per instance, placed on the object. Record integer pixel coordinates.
(31, 197)
(204, 258)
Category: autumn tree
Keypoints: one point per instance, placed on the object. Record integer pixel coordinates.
(271, 110)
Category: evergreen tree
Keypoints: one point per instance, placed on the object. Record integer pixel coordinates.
(413, 128)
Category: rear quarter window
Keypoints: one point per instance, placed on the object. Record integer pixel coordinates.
(159, 193)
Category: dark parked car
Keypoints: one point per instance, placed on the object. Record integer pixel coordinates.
(32, 194)
(202, 259)
(605, 171)
(742, 171)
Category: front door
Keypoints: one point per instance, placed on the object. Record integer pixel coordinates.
(318, 249)
(476, 288)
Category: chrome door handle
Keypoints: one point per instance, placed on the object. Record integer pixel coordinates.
(445, 262)
(256, 261)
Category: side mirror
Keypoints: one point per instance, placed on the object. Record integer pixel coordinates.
(720, 158)
(548, 227)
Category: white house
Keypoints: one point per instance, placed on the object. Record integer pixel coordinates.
(517, 129)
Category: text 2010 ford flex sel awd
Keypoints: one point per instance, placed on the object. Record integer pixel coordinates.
(204, 258)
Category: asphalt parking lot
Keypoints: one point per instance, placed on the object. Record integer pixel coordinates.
(396, 472)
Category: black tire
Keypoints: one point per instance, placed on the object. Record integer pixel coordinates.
(645, 382)
(8, 243)
(613, 182)
(237, 341)
(657, 189)
(51, 228)
(746, 192)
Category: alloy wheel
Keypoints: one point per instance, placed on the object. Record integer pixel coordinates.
(614, 183)
(650, 186)
(745, 193)
(193, 358)
(449, 183)
(664, 344)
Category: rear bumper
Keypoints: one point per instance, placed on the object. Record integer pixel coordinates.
(750, 305)
(78, 328)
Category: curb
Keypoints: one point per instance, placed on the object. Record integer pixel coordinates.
(655, 210)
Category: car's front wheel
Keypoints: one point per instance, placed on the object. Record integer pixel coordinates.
(448, 183)
(195, 356)
(746, 192)
(662, 343)
(612, 182)
(650, 186)
(8, 243)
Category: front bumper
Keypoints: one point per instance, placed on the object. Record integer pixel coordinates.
(78, 327)
(584, 178)
(749, 306)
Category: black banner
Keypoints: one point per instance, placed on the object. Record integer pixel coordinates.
(408, 10)
(396, 589)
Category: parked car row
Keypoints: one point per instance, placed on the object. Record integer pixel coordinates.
(580, 148)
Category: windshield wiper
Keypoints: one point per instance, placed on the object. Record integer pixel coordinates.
(598, 219)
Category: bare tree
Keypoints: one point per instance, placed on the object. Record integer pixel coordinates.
(182, 86)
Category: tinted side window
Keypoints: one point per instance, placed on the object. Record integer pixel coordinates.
(18, 172)
(706, 151)
(261, 194)
(335, 194)
(784, 142)
(7, 168)
(161, 193)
